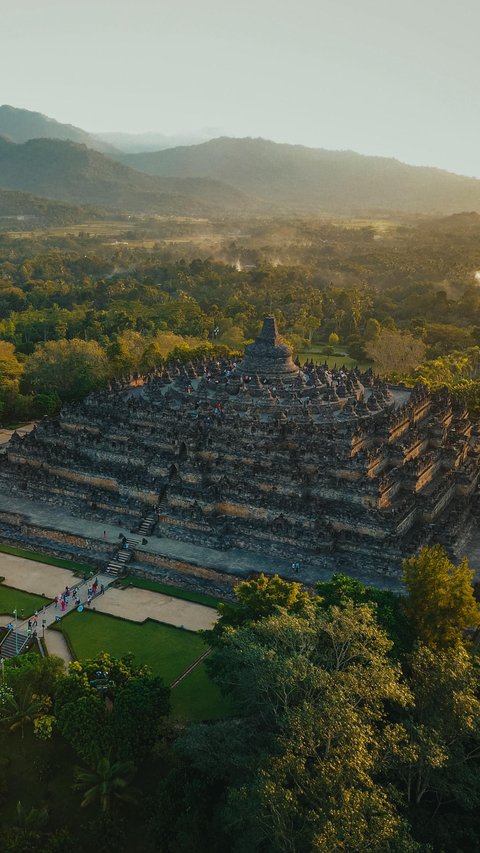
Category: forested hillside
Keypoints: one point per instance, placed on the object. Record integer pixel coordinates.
(76, 174)
(21, 125)
(316, 178)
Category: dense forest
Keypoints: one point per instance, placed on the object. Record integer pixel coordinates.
(354, 725)
(78, 308)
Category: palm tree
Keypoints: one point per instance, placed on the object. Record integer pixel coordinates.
(109, 781)
(18, 711)
(31, 821)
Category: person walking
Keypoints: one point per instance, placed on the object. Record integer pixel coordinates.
(102, 589)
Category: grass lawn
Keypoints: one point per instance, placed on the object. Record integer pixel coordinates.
(173, 591)
(167, 650)
(24, 602)
(340, 359)
(198, 698)
(72, 565)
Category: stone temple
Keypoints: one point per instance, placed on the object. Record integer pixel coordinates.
(248, 466)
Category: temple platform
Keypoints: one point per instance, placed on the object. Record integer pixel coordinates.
(241, 563)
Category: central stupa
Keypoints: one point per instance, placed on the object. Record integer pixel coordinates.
(269, 356)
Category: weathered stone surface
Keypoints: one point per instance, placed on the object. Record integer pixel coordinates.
(296, 463)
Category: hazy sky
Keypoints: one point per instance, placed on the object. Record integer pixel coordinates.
(380, 77)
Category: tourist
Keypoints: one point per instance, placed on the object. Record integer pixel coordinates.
(56, 601)
(63, 605)
(102, 589)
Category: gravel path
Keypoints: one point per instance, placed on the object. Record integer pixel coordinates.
(30, 576)
(141, 604)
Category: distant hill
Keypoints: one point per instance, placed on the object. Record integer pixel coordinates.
(21, 125)
(76, 174)
(134, 142)
(315, 178)
(23, 210)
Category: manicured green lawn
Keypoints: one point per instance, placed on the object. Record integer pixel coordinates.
(23, 602)
(198, 698)
(167, 650)
(72, 565)
(173, 591)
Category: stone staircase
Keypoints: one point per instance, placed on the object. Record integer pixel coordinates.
(13, 644)
(118, 564)
(162, 507)
(147, 525)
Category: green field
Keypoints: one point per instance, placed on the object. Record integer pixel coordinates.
(24, 602)
(340, 358)
(173, 591)
(167, 650)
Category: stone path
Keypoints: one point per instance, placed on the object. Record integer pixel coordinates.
(130, 603)
(140, 604)
(38, 578)
(57, 645)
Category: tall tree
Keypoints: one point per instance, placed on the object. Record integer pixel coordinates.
(441, 600)
(71, 368)
(395, 352)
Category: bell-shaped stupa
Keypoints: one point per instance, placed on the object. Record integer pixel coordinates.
(269, 356)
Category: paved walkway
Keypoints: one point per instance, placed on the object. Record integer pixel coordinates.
(129, 603)
(52, 584)
(38, 578)
(140, 604)
(57, 645)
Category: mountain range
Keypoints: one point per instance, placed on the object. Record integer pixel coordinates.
(315, 178)
(42, 156)
(65, 171)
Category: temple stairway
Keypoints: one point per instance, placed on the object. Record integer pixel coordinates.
(14, 644)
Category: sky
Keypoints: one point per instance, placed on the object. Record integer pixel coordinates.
(399, 79)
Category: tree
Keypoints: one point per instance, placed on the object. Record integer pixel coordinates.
(107, 783)
(317, 688)
(70, 368)
(440, 751)
(441, 601)
(372, 329)
(109, 704)
(262, 597)
(17, 711)
(395, 352)
(389, 607)
(333, 339)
